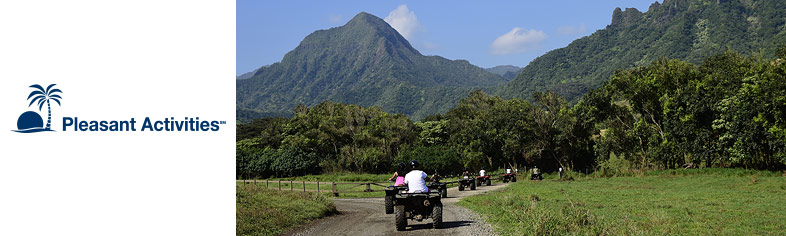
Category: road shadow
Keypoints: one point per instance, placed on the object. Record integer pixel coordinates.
(456, 224)
(445, 225)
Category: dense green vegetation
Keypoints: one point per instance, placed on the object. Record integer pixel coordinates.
(365, 62)
(726, 112)
(267, 212)
(689, 30)
(699, 202)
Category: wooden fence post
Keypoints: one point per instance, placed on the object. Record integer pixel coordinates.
(279, 185)
(317, 186)
(267, 184)
(291, 187)
(335, 192)
(368, 187)
(304, 186)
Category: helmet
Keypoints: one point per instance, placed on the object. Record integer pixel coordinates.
(436, 171)
(414, 164)
(401, 167)
(483, 168)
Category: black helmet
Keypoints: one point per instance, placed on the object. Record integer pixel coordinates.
(436, 171)
(401, 167)
(414, 164)
(483, 168)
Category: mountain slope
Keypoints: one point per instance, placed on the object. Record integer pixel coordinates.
(365, 62)
(508, 72)
(683, 29)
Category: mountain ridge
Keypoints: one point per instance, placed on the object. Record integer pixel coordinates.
(690, 30)
(364, 62)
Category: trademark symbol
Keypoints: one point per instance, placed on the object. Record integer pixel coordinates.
(223, 122)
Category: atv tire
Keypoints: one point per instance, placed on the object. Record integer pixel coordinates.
(488, 182)
(445, 192)
(401, 218)
(514, 179)
(436, 215)
(472, 185)
(388, 204)
(461, 187)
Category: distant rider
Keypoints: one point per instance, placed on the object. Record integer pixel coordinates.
(401, 169)
(416, 179)
(436, 177)
(466, 172)
(482, 171)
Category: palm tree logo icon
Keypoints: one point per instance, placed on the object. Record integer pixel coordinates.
(30, 121)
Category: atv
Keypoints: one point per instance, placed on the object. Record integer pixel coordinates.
(535, 176)
(390, 197)
(466, 182)
(509, 177)
(418, 206)
(442, 187)
(484, 179)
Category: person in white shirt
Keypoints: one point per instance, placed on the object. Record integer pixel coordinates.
(416, 179)
(482, 171)
(507, 170)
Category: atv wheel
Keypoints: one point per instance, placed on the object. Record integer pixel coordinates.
(401, 218)
(461, 187)
(444, 192)
(388, 204)
(504, 180)
(436, 215)
(514, 179)
(488, 182)
(472, 185)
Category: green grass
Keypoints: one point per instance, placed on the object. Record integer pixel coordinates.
(672, 202)
(267, 212)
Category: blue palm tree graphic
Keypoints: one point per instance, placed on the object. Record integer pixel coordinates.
(43, 96)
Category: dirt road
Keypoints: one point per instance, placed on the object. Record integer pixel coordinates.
(366, 216)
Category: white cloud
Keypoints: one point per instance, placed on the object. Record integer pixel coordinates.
(404, 21)
(335, 18)
(568, 29)
(517, 40)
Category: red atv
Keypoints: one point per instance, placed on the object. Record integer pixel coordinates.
(484, 179)
(509, 177)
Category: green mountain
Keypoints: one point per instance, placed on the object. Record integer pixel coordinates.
(690, 30)
(508, 72)
(365, 62)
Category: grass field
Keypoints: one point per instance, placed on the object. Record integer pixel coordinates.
(266, 212)
(675, 202)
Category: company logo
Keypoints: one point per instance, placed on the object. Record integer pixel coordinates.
(31, 121)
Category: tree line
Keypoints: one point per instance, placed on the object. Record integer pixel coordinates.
(726, 112)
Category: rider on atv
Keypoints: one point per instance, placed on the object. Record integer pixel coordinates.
(436, 177)
(416, 179)
(398, 176)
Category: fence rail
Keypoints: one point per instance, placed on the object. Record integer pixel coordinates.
(330, 187)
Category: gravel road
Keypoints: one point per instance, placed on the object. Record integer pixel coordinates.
(366, 216)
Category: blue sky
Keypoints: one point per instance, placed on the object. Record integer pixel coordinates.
(486, 34)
